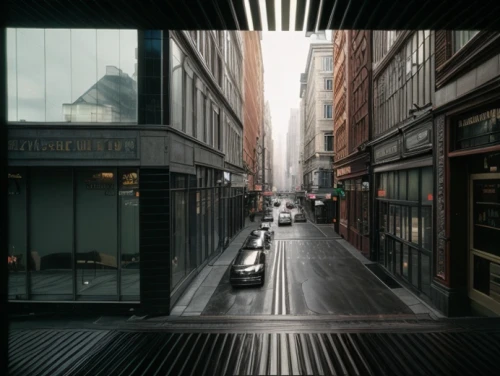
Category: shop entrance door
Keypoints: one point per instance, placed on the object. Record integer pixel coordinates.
(484, 240)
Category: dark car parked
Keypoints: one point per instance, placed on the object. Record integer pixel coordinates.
(248, 268)
(285, 218)
(289, 205)
(299, 217)
(277, 203)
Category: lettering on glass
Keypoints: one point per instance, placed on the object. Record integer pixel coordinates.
(72, 145)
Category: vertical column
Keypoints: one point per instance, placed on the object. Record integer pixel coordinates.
(150, 51)
(441, 233)
(154, 233)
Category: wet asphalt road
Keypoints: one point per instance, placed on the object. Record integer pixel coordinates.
(307, 273)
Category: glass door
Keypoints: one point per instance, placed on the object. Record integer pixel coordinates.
(484, 240)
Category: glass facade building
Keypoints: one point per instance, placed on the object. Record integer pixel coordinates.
(118, 192)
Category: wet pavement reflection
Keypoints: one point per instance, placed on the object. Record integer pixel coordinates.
(307, 273)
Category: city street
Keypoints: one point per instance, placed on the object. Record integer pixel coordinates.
(307, 273)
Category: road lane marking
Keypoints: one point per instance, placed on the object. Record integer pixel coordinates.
(283, 281)
(276, 287)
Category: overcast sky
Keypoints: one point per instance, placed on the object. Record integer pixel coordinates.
(284, 55)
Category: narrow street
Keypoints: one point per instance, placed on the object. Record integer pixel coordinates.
(307, 273)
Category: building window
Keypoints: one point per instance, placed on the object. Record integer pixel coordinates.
(404, 212)
(329, 141)
(328, 64)
(406, 81)
(88, 259)
(73, 75)
(325, 179)
(328, 84)
(462, 37)
(177, 92)
(328, 111)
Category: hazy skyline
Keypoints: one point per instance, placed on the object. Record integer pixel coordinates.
(284, 55)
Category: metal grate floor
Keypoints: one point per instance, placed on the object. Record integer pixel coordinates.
(91, 352)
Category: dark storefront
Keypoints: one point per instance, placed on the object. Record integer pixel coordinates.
(470, 260)
(74, 234)
(404, 200)
(354, 223)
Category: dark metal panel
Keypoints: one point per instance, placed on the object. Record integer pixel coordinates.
(239, 9)
(213, 14)
(79, 352)
(271, 15)
(300, 14)
(256, 16)
(326, 11)
(227, 14)
(285, 15)
(312, 16)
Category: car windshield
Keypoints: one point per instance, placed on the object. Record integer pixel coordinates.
(246, 258)
(284, 215)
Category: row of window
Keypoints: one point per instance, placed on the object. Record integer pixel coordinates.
(192, 109)
(234, 146)
(407, 81)
(383, 41)
(213, 45)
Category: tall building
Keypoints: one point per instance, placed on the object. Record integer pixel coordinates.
(268, 149)
(466, 190)
(120, 130)
(279, 162)
(402, 157)
(316, 92)
(292, 144)
(352, 117)
(253, 77)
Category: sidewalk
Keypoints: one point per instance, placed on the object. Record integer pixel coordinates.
(197, 295)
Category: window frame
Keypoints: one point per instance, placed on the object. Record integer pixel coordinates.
(327, 110)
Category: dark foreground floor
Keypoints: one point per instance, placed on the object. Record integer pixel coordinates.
(156, 352)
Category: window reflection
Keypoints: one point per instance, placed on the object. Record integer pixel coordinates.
(72, 75)
(51, 233)
(30, 75)
(12, 74)
(58, 72)
(17, 234)
(96, 243)
(129, 232)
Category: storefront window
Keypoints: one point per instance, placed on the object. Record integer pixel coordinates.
(414, 225)
(129, 232)
(81, 222)
(96, 240)
(51, 233)
(180, 236)
(413, 185)
(17, 233)
(409, 234)
(402, 186)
